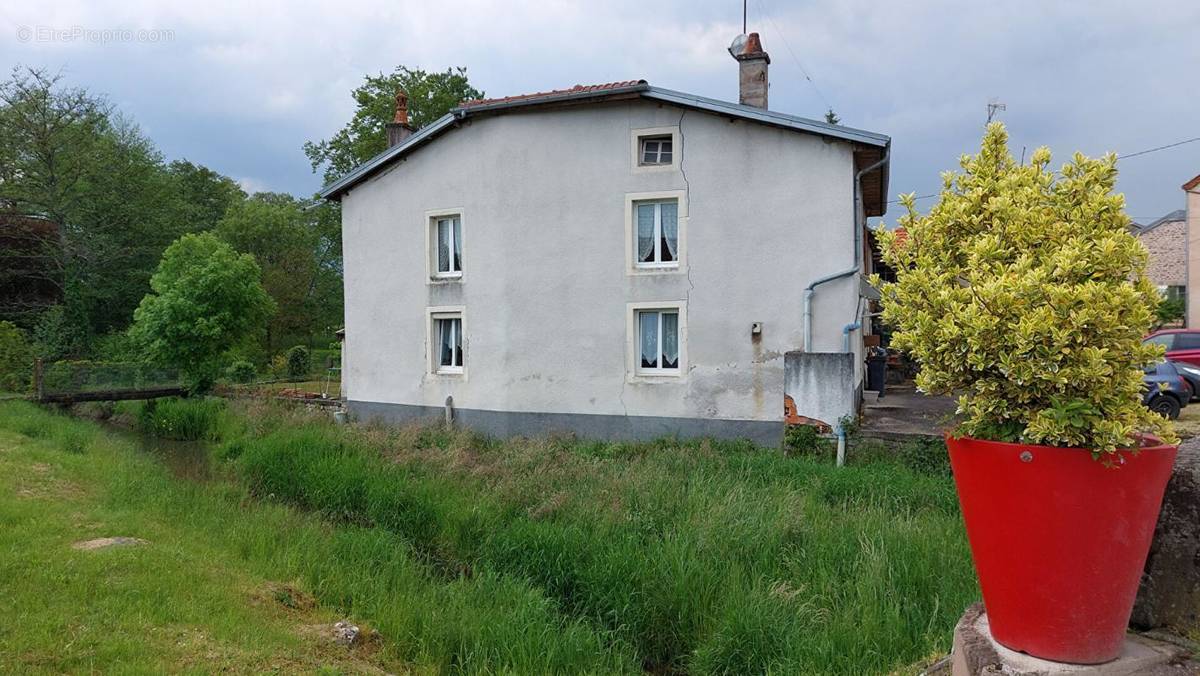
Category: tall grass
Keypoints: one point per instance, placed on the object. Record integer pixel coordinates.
(204, 538)
(185, 419)
(706, 557)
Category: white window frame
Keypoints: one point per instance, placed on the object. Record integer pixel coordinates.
(632, 265)
(431, 250)
(635, 148)
(658, 236)
(633, 344)
(433, 340)
(644, 148)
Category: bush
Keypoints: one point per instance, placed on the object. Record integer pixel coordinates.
(16, 359)
(1170, 311)
(805, 440)
(241, 371)
(299, 362)
(1026, 295)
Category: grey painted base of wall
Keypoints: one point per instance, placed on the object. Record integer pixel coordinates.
(608, 427)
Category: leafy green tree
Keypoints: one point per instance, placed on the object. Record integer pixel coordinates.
(1023, 292)
(66, 156)
(298, 246)
(430, 96)
(205, 297)
(206, 195)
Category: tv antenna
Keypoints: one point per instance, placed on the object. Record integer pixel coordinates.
(993, 106)
(743, 17)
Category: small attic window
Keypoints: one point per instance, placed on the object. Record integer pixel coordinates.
(655, 150)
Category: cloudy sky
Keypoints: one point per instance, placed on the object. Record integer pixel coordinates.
(239, 86)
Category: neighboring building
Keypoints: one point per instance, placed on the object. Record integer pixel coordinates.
(618, 260)
(1192, 211)
(1167, 241)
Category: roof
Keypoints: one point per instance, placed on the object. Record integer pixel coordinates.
(1174, 216)
(870, 146)
(1190, 185)
(577, 89)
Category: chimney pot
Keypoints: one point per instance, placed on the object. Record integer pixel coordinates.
(752, 73)
(398, 129)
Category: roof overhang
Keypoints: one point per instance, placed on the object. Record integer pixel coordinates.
(869, 147)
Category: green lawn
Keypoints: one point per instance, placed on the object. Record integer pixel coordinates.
(474, 555)
(227, 583)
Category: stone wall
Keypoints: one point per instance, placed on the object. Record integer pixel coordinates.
(1167, 243)
(1170, 592)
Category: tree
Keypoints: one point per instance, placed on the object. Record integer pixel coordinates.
(299, 248)
(205, 297)
(102, 189)
(831, 117)
(430, 96)
(206, 194)
(1024, 293)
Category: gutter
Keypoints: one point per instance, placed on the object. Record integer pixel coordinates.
(811, 288)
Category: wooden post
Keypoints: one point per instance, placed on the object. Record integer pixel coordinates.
(39, 388)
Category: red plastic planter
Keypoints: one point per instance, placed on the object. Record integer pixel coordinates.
(1059, 541)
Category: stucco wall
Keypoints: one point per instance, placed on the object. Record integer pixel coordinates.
(545, 284)
(1193, 239)
(1167, 244)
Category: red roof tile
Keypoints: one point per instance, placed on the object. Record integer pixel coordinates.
(577, 89)
(1191, 184)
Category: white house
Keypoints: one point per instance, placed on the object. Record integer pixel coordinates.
(618, 260)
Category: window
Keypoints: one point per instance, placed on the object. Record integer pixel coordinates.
(658, 341)
(655, 150)
(1164, 339)
(448, 254)
(446, 354)
(656, 227)
(657, 239)
(1187, 341)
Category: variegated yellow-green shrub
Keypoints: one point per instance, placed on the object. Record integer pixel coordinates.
(1023, 293)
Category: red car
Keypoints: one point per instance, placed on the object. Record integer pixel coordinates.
(1183, 345)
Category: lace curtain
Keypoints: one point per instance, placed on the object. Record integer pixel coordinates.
(670, 340)
(670, 229)
(645, 233)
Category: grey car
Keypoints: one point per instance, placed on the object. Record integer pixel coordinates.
(1167, 392)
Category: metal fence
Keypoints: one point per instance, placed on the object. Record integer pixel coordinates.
(90, 380)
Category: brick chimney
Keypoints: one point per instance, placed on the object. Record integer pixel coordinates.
(399, 129)
(752, 73)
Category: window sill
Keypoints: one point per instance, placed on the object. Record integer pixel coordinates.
(658, 270)
(656, 377)
(653, 168)
(449, 372)
(445, 279)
